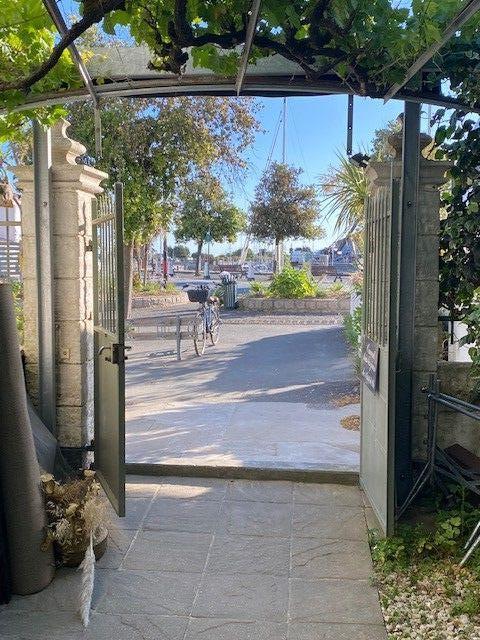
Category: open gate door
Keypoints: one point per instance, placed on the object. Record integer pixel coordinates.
(109, 354)
(379, 351)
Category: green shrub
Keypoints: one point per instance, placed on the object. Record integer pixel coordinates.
(293, 283)
(335, 290)
(259, 289)
(352, 325)
(17, 290)
(153, 288)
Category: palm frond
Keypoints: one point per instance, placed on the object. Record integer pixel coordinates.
(344, 188)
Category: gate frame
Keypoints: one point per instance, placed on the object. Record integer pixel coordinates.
(402, 462)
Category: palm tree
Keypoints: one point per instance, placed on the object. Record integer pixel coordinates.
(344, 188)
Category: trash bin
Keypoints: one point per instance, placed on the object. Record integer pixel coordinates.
(229, 290)
(230, 295)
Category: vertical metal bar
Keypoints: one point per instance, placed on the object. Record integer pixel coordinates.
(393, 291)
(406, 306)
(366, 307)
(120, 332)
(42, 161)
(350, 125)
(119, 262)
(95, 262)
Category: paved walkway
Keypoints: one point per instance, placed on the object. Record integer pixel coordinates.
(220, 560)
(264, 396)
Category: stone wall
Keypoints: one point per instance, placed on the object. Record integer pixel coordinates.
(315, 305)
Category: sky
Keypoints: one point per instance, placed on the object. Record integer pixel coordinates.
(316, 130)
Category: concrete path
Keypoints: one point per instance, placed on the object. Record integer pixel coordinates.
(200, 559)
(264, 396)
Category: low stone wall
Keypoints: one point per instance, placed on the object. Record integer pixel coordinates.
(316, 305)
(143, 302)
(454, 427)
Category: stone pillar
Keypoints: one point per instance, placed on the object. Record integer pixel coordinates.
(73, 188)
(431, 179)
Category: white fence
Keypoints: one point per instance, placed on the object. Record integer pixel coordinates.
(10, 243)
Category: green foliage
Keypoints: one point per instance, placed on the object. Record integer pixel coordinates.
(345, 188)
(293, 283)
(283, 207)
(27, 36)
(367, 44)
(155, 146)
(459, 140)
(206, 209)
(259, 289)
(352, 325)
(413, 545)
(17, 291)
(179, 251)
(152, 288)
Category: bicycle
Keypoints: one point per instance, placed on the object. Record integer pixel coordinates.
(207, 320)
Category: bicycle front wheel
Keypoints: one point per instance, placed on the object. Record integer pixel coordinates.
(199, 335)
(215, 325)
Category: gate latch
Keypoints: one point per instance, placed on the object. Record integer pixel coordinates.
(118, 353)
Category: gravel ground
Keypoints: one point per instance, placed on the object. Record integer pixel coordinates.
(441, 604)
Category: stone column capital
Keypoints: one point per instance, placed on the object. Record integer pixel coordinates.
(65, 168)
(66, 173)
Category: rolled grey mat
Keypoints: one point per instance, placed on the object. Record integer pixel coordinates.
(31, 569)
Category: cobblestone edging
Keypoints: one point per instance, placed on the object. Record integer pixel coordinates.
(143, 302)
(317, 305)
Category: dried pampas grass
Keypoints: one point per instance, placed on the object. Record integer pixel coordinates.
(88, 579)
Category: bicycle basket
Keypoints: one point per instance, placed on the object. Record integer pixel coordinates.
(198, 295)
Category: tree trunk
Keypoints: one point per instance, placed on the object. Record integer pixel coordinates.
(145, 264)
(276, 265)
(128, 271)
(199, 257)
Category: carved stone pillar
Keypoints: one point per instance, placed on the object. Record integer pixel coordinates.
(73, 188)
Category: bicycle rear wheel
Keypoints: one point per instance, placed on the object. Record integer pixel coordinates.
(199, 335)
(215, 324)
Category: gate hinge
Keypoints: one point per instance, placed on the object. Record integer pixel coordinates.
(89, 246)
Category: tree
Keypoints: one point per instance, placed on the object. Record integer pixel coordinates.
(282, 207)
(154, 146)
(180, 251)
(344, 188)
(206, 209)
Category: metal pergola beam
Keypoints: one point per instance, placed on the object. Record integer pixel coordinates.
(460, 19)
(62, 28)
(252, 85)
(252, 24)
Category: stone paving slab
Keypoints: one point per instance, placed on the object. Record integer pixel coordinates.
(250, 573)
(263, 397)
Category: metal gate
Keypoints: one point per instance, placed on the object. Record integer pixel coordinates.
(379, 351)
(109, 344)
